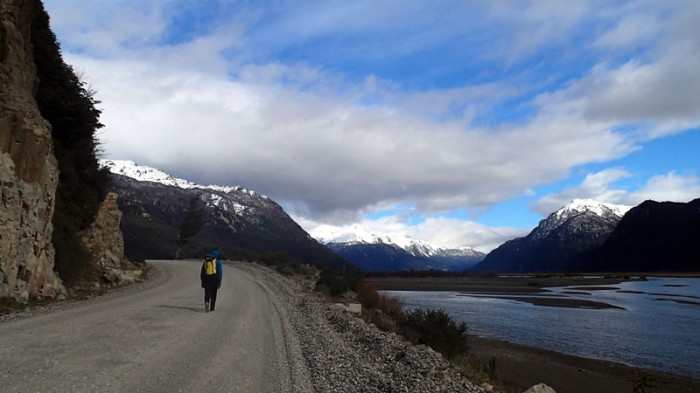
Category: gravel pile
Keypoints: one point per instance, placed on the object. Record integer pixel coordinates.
(343, 353)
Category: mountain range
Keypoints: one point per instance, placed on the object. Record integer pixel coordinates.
(561, 242)
(239, 222)
(584, 235)
(588, 236)
(378, 252)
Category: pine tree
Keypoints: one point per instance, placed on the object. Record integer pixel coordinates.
(191, 225)
(70, 107)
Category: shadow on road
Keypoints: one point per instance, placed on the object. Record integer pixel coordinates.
(195, 309)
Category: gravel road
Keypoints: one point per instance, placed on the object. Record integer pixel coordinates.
(159, 339)
(269, 333)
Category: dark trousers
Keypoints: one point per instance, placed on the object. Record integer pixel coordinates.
(211, 285)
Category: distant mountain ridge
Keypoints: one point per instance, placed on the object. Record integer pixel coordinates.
(561, 242)
(239, 222)
(380, 252)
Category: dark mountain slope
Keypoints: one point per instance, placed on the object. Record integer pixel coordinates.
(654, 236)
(238, 222)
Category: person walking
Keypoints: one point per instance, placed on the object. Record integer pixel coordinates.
(211, 276)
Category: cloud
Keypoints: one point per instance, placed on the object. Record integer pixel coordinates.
(266, 100)
(324, 151)
(669, 187)
(600, 186)
(438, 231)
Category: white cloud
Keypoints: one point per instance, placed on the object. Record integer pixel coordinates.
(325, 151)
(438, 231)
(215, 108)
(670, 187)
(600, 186)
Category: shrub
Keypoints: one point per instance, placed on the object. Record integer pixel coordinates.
(291, 268)
(373, 300)
(436, 329)
(381, 320)
(332, 284)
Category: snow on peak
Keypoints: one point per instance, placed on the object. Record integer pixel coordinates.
(358, 234)
(598, 208)
(353, 234)
(146, 173)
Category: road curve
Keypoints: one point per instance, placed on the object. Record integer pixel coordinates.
(156, 340)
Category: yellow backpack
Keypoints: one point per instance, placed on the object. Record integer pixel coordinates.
(210, 265)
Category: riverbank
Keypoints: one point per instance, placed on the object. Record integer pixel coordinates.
(520, 366)
(523, 284)
(518, 288)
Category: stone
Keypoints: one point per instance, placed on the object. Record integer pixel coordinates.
(354, 308)
(121, 277)
(28, 168)
(337, 307)
(103, 239)
(540, 388)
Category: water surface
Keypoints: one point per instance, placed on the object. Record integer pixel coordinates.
(657, 325)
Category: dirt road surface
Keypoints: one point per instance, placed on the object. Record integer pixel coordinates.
(159, 340)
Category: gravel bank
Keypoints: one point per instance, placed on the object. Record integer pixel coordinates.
(343, 353)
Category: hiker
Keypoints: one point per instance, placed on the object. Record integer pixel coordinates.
(211, 279)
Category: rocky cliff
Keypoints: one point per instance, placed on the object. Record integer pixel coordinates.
(104, 243)
(28, 168)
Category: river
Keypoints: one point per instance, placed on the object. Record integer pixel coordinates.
(656, 326)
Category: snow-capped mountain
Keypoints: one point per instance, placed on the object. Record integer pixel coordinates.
(239, 222)
(374, 251)
(146, 173)
(561, 242)
(358, 234)
(576, 215)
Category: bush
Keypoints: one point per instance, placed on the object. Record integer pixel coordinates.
(282, 262)
(332, 284)
(291, 268)
(436, 329)
(373, 300)
(381, 320)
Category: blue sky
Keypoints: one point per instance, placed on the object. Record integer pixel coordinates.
(462, 123)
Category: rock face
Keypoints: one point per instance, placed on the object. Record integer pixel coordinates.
(28, 168)
(102, 239)
(104, 242)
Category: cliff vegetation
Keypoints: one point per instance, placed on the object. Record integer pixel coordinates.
(69, 106)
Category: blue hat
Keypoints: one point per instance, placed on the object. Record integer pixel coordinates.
(215, 253)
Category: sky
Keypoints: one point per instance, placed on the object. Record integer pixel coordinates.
(461, 123)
